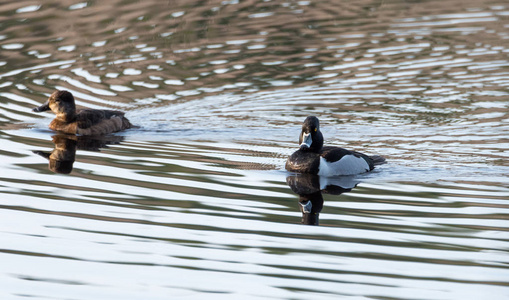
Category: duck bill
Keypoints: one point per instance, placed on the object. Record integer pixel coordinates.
(43, 107)
(306, 141)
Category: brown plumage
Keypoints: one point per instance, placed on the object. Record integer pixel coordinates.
(83, 122)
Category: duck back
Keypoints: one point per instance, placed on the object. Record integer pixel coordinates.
(99, 122)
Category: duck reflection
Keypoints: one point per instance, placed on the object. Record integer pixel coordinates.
(310, 187)
(62, 158)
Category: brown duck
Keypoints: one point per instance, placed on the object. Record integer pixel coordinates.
(84, 121)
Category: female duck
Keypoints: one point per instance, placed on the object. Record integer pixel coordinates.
(83, 122)
(313, 158)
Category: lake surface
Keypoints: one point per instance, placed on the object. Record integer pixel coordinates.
(195, 202)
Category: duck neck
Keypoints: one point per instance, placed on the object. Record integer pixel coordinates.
(67, 116)
(317, 144)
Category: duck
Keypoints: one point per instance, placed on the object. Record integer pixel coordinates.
(313, 158)
(82, 122)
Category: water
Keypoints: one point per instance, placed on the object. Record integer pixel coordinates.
(196, 203)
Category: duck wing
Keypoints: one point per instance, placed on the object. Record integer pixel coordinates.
(87, 118)
(333, 154)
(98, 122)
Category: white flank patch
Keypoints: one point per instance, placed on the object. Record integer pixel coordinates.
(347, 165)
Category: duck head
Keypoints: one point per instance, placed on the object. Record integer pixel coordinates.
(61, 103)
(311, 138)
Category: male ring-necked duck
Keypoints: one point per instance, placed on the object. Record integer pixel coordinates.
(313, 158)
(85, 121)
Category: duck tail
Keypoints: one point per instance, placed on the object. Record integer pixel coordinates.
(126, 124)
(378, 160)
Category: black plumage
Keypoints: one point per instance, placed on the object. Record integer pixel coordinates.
(309, 156)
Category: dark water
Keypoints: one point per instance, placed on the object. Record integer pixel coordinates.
(196, 203)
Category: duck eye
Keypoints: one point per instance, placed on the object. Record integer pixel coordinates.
(316, 129)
